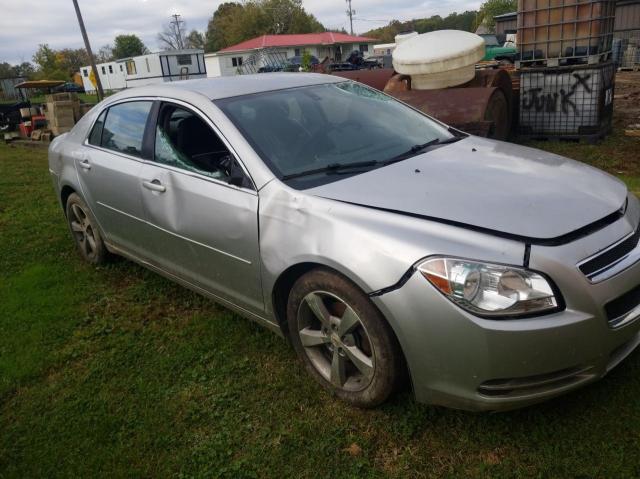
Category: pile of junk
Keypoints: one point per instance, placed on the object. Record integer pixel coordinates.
(561, 86)
(439, 74)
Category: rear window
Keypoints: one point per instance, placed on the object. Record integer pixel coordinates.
(96, 133)
(124, 126)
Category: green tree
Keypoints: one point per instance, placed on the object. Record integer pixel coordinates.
(454, 21)
(48, 64)
(491, 8)
(6, 70)
(195, 39)
(305, 61)
(69, 60)
(234, 22)
(125, 46)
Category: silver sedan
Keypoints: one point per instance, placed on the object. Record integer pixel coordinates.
(381, 242)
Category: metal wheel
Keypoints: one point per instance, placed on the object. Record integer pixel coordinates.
(336, 341)
(82, 230)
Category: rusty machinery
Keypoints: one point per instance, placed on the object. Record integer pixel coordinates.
(483, 106)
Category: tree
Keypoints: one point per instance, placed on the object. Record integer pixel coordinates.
(46, 60)
(125, 46)
(25, 69)
(222, 31)
(69, 60)
(105, 54)
(6, 70)
(195, 39)
(234, 22)
(173, 35)
(454, 21)
(491, 8)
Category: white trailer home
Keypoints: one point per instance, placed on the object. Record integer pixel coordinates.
(111, 75)
(164, 66)
(142, 70)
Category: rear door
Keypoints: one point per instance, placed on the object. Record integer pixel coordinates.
(109, 167)
(203, 207)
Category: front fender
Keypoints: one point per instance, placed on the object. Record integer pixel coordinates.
(372, 248)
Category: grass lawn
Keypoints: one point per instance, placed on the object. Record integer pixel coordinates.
(114, 372)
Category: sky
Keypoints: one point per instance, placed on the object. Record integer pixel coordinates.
(24, 25)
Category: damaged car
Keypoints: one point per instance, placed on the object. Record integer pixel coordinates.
(384, 244)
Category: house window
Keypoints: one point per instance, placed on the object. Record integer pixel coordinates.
(364, 48)
(184, 59)
(121, 67)
(146, 60)
(388, 51)
(85, 73)
(110, 68)
(131, 67)
(104, 72)
(236, 61)
(296, 52)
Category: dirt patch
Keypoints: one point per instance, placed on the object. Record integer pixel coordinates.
(627, 99)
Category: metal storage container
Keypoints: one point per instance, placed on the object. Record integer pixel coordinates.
(559, 32)
(571, 102)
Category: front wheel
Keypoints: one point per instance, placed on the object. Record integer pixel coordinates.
(343, 340)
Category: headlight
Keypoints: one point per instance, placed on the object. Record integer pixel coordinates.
(490, 289)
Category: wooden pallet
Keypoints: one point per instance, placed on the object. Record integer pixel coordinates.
(563, 61)
(633, 68)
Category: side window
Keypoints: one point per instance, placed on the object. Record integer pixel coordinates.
(124, 127)
(96, 133)
(184, 140)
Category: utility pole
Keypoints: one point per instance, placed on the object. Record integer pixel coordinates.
(350, 13)
(177, 23)
(89, 52)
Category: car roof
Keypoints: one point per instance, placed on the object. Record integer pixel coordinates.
(229, 86)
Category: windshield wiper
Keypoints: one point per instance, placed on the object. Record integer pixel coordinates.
(330, 168)
(415, 149)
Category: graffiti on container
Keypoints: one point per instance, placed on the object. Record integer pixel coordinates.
(544, 101)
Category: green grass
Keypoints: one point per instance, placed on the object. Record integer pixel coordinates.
(116, 372)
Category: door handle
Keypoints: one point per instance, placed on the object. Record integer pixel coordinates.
(85, 164)
(154, 185)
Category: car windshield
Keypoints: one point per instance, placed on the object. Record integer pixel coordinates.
(331, 129)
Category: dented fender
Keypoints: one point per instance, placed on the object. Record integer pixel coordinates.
(375, 249)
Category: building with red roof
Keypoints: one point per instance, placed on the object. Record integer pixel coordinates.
(269, 51)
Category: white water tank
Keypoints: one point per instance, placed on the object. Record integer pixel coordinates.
(439, 59)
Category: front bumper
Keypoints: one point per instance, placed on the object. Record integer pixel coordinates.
(462, 361)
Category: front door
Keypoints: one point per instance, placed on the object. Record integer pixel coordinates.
(108, 168)
(206, 229)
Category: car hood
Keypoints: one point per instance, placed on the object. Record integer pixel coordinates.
(489, 185)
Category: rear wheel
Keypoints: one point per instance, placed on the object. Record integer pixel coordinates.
(343, 340)
(85, 232)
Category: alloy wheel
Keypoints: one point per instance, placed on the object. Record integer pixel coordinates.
(82, 230)
(335, 341)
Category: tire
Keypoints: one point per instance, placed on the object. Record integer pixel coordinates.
(352, 350)
(84, 230)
